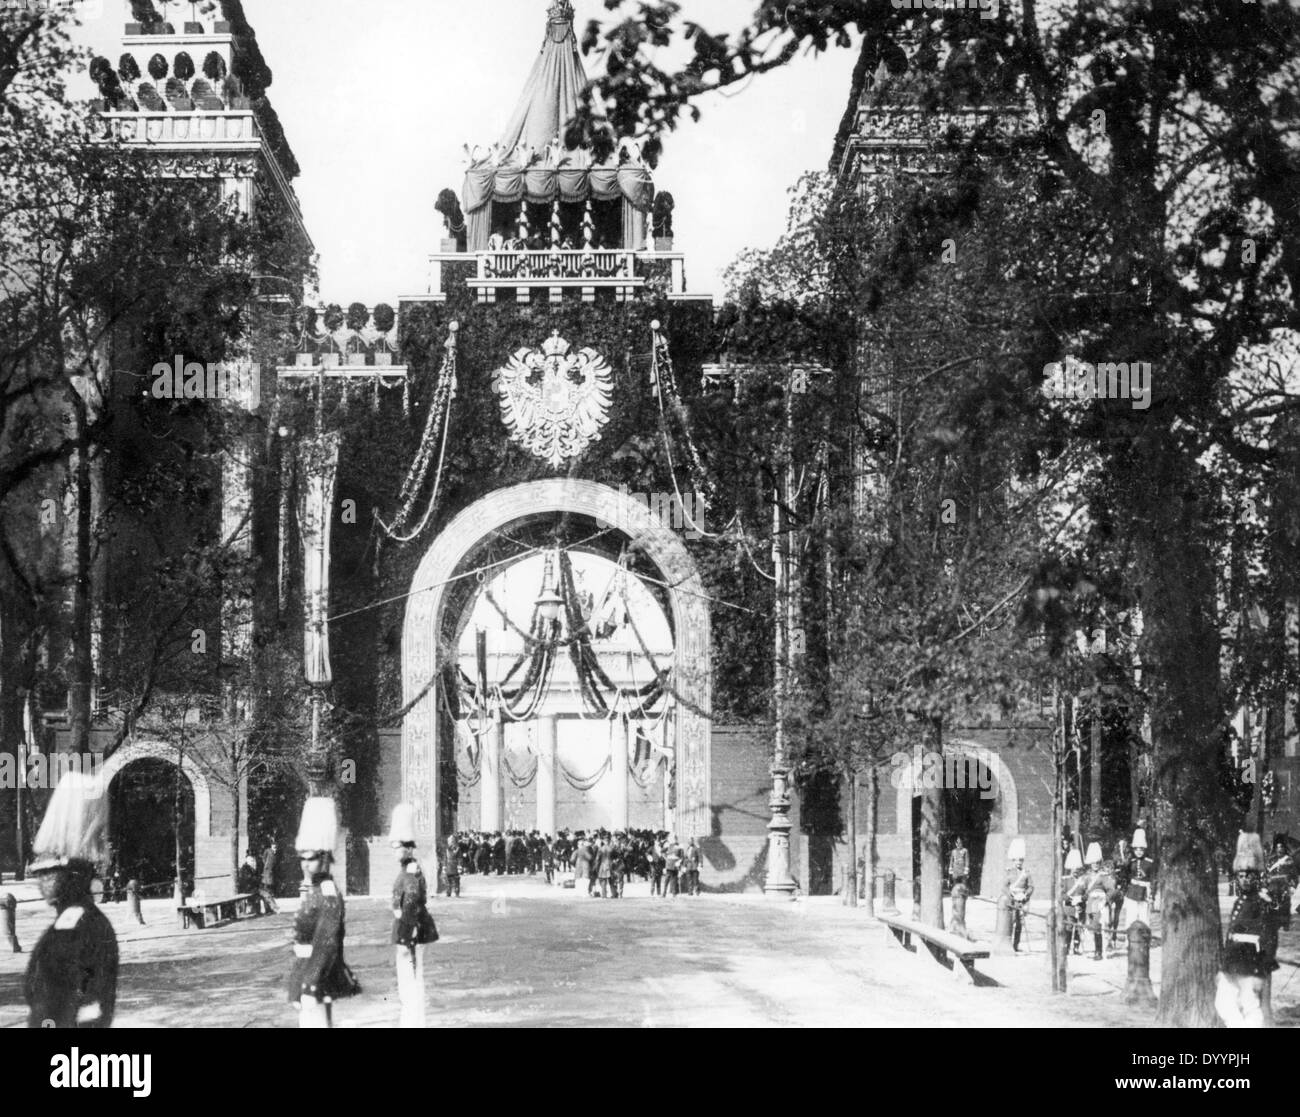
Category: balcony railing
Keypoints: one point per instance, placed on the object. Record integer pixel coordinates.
(583, 265)
(227, 126)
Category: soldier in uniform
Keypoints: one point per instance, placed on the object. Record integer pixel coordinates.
(413, 926)
(1098, 889)
(1281, 878)
(319, 975)
(958, 864)
(1020, 887)
(451, 866)
(1141, 881)
(71, 979)
(1244, 991)
(1121, 869)
(1073, 899)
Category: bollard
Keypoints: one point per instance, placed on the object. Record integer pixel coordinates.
(133, 899)
(1137, 989)
(959, 894)
(891, 904)
(9, 920)
(1002, 928)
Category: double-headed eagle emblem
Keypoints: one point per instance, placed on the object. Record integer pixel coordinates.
(554, 402)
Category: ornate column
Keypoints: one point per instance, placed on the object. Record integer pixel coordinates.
(547, 727)
(491, 806)
(618, 774)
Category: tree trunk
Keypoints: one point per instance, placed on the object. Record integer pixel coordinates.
(931, 837)
(234, 830)
(869, 859)
(1093, 832)
(1180, 658)
(81, 674)
(1059, 954)
(851, 878)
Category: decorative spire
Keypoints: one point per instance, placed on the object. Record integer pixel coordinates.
(554, 88)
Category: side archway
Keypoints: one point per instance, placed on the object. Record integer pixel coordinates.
(611, 508)
(132, 751)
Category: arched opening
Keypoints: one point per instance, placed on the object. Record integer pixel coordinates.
(980, 805)
(151, 824)
(444, 587)
(587, 712)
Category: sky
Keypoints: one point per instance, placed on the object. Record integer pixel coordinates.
(377, 100)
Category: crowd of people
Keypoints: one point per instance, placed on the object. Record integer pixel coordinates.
(600, 862)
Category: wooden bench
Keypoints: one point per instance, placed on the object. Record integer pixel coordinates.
(946, 948)
(220, 911)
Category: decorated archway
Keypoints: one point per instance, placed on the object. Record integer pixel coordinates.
(688, 609)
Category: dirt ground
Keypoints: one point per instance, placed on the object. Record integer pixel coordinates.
(515, 951)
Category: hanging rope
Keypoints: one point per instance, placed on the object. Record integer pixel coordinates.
(661, 371)
(661, 675)
(439, 417)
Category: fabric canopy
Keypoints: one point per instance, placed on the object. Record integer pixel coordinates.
(550, 98)
(510, 182)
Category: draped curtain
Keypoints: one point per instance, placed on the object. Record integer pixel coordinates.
(318, 460)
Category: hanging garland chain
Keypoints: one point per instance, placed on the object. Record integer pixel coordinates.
(515, 778)
(435, 434)
(661, 370)
(579, 783)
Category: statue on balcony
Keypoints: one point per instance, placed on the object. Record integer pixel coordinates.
(453, 218)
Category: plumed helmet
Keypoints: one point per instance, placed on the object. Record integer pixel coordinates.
(1094, 854)
(1250, 854)
(75, 827)
(319, 828)
(1016, 849)
(1139, 839)
(1073, 860)
(402, 829)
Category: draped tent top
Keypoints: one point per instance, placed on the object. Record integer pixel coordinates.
(530, 164)
(554, 88)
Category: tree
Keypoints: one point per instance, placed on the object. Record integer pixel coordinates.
(1177, 125)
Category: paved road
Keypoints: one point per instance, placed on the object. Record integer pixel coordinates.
(515, 952)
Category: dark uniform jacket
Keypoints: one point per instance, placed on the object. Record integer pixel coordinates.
(1141, 877)
(73, 968)
(412, 923)
(321, 975)
(1250, 948)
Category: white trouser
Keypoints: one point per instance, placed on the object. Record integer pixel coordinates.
(313, 1014)
(1243, 1001)
(410, 986)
